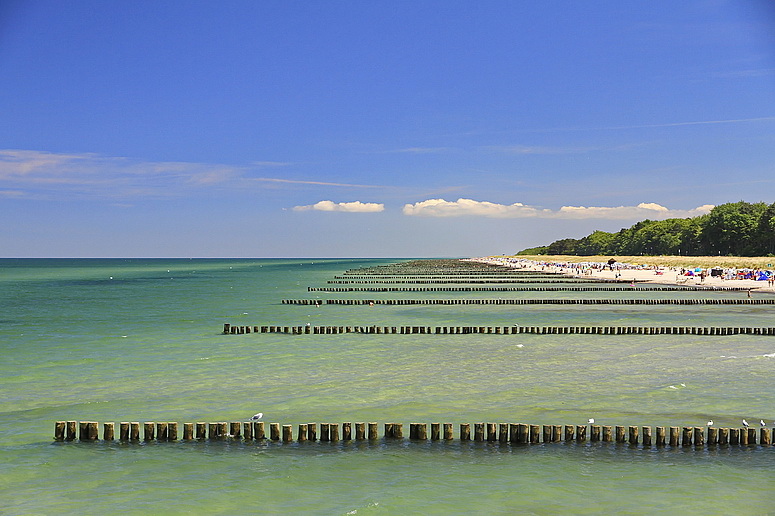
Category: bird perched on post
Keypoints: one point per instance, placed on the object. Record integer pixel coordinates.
(258, 416)
(745, 423)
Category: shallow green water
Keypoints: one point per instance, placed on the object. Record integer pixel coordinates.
(146, 346)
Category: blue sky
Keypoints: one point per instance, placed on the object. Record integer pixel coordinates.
(373, 128)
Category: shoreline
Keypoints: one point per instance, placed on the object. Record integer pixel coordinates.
(652, 274)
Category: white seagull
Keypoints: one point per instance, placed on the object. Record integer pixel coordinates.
(745, 423)
(710, 423)
(761, 422)
(258, 416)
(591, 420)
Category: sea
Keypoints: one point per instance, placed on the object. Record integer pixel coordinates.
(142, 340)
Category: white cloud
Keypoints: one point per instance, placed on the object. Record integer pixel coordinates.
(349, 207)
(469, 207)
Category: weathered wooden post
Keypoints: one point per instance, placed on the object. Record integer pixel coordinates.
(134, 430)
(465, 431)
(247, 430)
(547, 433)
(686, 437)
(83, 430)
(161, 431)
(447, 431)
(570, 431)
(302, 435)
(765, 437)
(274, 431)
(235, 429)
(333, 431)
(172, 431)
(479, 432)
(325, 432)
(123, 431)
(148, 429)
(201, 432)
(373, 435)
(347, 431)
(633, 435)
(435, 431)
(699, 436)
(581, 433)
(535, 434)
(108, 431)
(312, 432)
(712, 435)
(751, 436)
(222, 429)
(360, 431)
(674, 434)
(287, 433)
(523, 433)
(734, 436)
(212, 430)
(646, 436)
(594, 433)
(619, 434)
(492, 432)
(70, 427)
(723, 436)
(607, 433)
(59, 430)
(188, 431)
(660, 438)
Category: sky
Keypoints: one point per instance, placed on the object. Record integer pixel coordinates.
(418, 128)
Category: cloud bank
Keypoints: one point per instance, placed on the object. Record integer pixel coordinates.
(349, 207)
(469, 207)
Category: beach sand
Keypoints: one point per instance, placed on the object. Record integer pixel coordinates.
(659, 275)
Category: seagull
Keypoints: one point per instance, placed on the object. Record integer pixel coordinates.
(710, 423)
(761, 422)
(258, 416)
(745, 423)
(591, 420)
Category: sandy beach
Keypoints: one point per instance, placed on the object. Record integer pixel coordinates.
(641, 273)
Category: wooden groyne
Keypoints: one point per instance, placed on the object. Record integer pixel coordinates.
(504, 433)
(474, 281)
(770, 301)
(676, 288)
(501, 330)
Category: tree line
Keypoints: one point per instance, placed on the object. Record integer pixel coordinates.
(732, 229)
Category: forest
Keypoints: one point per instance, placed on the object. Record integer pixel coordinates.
(732, 229)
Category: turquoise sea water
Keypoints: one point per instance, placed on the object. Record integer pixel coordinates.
(120, 340)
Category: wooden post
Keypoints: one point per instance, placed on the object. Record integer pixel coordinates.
(222, 429)
(523, 433)
(274, 431)
(398, 430)
(607, 433)
(347, 431)
(435, 431)
(108, 430)
(83, 430)
(581, 433)
(123, 432)
(547, 433)
(388, 430)
(161, 431)
(633, 433)
(91, 430)
(674, 433)
(660, 440)
(465, 431)
(70, 430)
(59, 430)
(594, 433)
(646, 436)
(699, 436)
(619, 434)
(188, 431)
(422, 431)
(212, 431)
(723, 436)
(734, 436)
(333, 431)
(360, 431)
(247, 430)
(535, 434)
(686, 437)
(373, 430)
(302, 435)
(447, 431)
(712, 435)
(172, 431)
(312, 432)
(234, 429)
(134, 431)
(751, 436)
(765, 437)
(479, 432)
(201, 430)
(570, 431)
(492, 432)
(324, 432)
(503, 432)
(287, 433)
(148, 429)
